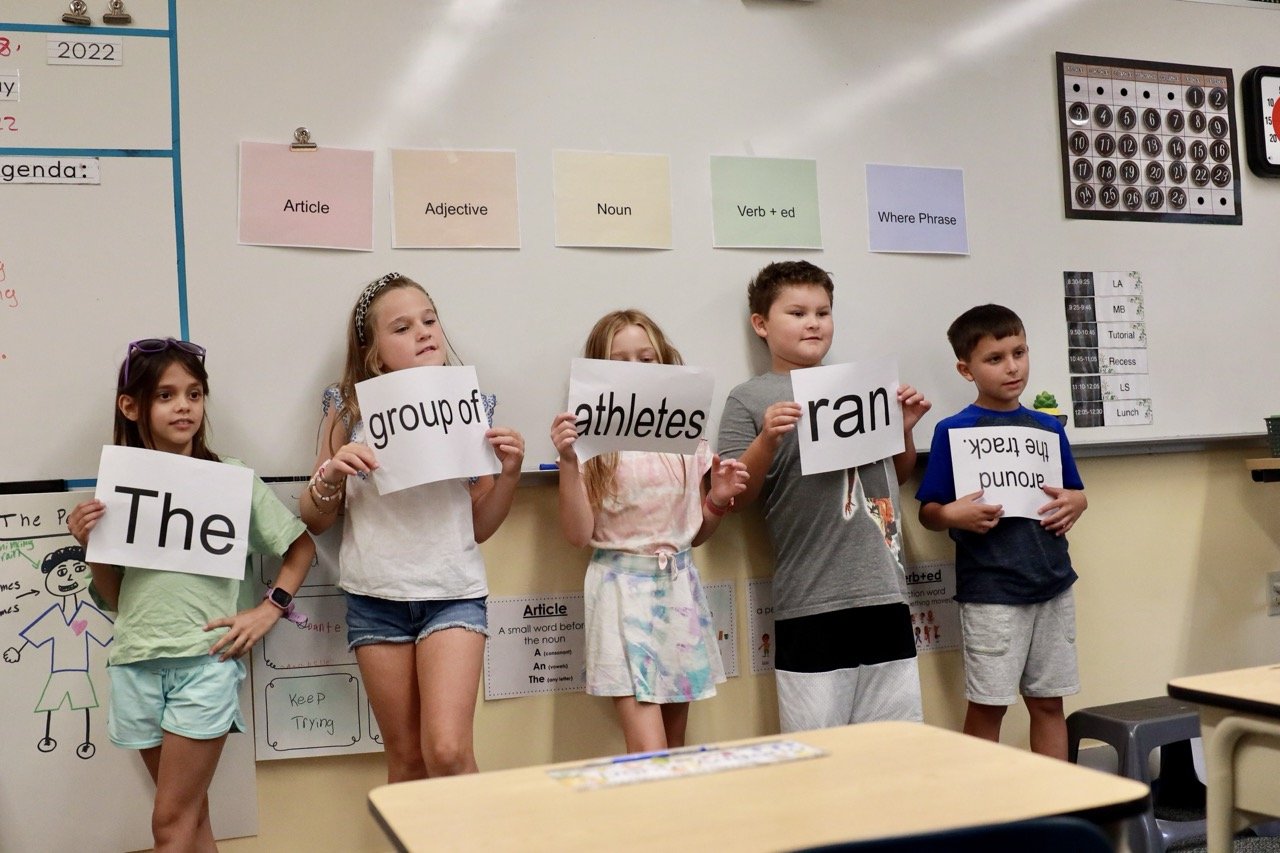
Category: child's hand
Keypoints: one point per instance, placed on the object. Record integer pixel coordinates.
(564, 432)
(247, 627)
(728, 480)
(967, 514)
(780, 419)
(509, 445)
(353, 458)
(914, 406)
(84, 518)
(1060, 514)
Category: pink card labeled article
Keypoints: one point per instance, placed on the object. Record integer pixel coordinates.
(318, 199)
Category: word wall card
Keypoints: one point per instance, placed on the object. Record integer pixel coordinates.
(1148, 141)
(1107, 349)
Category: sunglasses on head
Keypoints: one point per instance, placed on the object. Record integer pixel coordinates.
(155, 345)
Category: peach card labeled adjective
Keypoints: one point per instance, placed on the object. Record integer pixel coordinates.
(454, 200)
(612, 200)
(320, 199)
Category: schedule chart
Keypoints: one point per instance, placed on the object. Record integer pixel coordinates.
(1107, 349)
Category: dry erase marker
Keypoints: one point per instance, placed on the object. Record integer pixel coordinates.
(661, 753)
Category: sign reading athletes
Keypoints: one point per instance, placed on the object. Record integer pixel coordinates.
(622, 405)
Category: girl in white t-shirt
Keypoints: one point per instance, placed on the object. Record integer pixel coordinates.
(650, 641)
(409, 562)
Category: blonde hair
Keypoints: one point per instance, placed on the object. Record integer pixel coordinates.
(362, 345)
(599, 471)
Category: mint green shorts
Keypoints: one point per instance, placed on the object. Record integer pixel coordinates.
(196, 697)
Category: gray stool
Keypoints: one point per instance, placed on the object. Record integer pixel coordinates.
(1133, 729)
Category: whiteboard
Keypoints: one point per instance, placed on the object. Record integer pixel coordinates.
(968, 85)
(83, 268)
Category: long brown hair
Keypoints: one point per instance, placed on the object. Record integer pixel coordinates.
(362, 346)
(599, 471)
(144, 370)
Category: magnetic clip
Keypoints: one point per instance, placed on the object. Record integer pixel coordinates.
(77, 13)
(116, 15)
(302, 140)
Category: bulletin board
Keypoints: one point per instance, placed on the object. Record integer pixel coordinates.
(969, 86)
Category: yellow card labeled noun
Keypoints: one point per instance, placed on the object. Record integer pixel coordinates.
(454, 200)
(617, 200)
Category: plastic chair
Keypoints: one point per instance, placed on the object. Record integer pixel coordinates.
(1134, 729)
(1045, 835)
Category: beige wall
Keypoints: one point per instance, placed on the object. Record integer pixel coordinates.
(1172, 557)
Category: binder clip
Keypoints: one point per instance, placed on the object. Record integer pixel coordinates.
(302, 140)
(77, 13)
(116, 15)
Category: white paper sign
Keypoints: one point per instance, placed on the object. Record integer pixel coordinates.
(721, 599)
(935, 616)
(425, 424)
(624, 405)
(760, 628)
(61, 49)
(1009, 464)
(537, 644)
(850, 414)
(172, 512)
(49, 170)
(10, 86)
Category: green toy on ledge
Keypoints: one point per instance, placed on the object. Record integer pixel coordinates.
(1047, 403)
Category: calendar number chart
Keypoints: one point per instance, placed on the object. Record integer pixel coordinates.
(1148, 141)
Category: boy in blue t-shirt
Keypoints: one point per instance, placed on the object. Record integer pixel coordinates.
(1013, 575)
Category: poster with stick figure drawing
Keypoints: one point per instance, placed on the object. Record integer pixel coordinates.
(54, 694)
(68, 628)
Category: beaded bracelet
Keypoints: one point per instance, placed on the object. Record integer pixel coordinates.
(317, 479)
(715, 509)
(322, 501)
(329, 498)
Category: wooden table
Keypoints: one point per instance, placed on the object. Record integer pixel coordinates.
(877, 780)
(1240, 724)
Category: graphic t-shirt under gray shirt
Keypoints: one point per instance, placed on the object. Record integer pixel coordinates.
(836, 536)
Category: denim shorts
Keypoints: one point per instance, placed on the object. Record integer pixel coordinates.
(380, 620)
(196, 697)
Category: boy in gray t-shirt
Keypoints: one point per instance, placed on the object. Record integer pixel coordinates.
(845, 652)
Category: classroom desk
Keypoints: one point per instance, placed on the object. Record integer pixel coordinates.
(1240, 724)
(878, 779)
